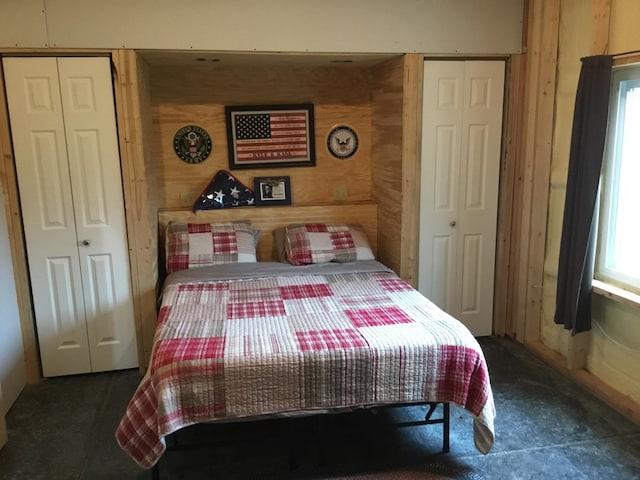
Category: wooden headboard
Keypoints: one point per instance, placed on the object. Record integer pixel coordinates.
(267, 219)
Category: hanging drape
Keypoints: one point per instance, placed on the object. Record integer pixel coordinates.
(577, 246)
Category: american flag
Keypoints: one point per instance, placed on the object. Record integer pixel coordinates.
(276, 136)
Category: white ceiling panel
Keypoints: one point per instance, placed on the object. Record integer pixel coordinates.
(22, 24)
(377, 26)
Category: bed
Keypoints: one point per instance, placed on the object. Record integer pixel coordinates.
(259, 338)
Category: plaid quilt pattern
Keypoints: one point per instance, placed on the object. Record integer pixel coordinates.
(312, 243)
(257, 346)
(193, 245)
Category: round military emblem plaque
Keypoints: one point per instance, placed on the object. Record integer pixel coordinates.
(192, 144)
(342, 142)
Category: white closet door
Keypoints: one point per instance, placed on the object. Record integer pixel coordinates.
(96, 182)
(63, 125)
(439, 181)
(462, 131)
(37, 127)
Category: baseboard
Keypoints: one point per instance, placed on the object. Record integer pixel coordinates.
(616, 400)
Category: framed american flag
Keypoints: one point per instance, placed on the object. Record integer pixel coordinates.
(263, 136)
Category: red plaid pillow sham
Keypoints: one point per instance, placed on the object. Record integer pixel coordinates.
(307, 243)
(193, 245)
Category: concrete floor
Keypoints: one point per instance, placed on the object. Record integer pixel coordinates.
(546, 428)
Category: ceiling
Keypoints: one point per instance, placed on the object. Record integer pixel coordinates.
(189, 58)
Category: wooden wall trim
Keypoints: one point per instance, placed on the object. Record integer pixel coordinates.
(534, 168)
(509, 203)
(140, 228)
(532, 184)
(9, 182)
(411, 157)
(601, 27)
(387, 107)
(622, 403)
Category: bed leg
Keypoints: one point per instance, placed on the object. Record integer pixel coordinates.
(445, 427)
(444, 421)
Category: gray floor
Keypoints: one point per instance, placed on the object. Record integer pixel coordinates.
(547, 427)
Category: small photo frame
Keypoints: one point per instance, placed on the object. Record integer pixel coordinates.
(272, 190)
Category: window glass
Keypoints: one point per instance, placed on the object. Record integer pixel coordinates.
(618, 260)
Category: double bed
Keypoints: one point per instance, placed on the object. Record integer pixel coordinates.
(253, 338)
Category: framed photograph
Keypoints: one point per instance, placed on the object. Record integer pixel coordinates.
(270, 136)
(272, 190)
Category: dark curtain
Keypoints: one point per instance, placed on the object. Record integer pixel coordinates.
(577, 246)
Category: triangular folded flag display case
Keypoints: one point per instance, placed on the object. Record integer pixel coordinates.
(225, 190)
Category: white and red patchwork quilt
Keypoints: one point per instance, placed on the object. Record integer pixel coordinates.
(276, 339)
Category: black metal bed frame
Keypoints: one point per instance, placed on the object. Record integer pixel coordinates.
(444, 420)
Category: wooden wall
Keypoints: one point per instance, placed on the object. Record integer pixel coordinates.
(198, 95)
(134, 131)
(174, 90)
(387, 159)
(395, 161)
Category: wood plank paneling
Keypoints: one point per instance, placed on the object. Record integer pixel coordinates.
(132, 106)
(533, 171)
(386, 159)
(509, 202)
(198, 96)
(411, 163)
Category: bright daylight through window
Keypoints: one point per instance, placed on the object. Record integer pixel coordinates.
(619, 223)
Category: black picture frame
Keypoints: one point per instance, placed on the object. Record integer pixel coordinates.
(272, 190)
(270, 136)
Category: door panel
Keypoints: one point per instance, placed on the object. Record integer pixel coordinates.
(47, 210)
(446, 149)
(442, 271)
(476, 178)
(439, 178)
(471, 278)
(51, 181)
(89, 188)
(461, 146)
(94, 166)
(478, 213)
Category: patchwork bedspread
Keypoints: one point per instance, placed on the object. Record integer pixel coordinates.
(303, 340)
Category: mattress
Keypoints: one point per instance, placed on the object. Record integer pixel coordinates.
(245, 341)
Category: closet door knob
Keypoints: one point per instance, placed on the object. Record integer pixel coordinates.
(86, 243)
(452, 223)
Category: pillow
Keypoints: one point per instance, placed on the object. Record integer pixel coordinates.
(193, 245)
(326, 242)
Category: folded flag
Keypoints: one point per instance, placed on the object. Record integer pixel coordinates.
(225, 190)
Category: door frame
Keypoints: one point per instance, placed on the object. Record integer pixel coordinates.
(4, 437)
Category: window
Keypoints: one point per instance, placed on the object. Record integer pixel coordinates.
(618, 255)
